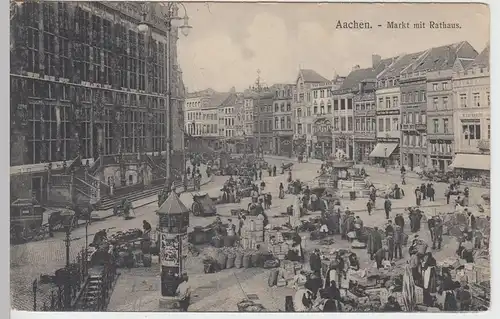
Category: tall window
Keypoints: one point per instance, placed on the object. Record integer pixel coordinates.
(342, 104)
(152, 77)
(387, 124)
(282, 123)
(380, 125)
(288, 122)
(349, 123)
(96, 50)
(276, 123)
(49, 38)
(476, 98)
(435, 103)
(31, 18)
(342, 124)
(445, 85)
(335, 105)
(445, 103)
(445, 126)
(132, 58)
(463, 100)
(349, 104)
(395, 101)
(358, 125)
(435, 86)
(436, 125)
(395, 124)
(472, 131)
(387, 102)
(488, 98)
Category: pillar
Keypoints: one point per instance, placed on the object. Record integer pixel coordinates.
(334, 149)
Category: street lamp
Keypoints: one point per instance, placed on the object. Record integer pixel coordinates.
(170, 19)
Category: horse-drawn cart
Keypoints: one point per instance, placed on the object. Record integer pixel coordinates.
(27, 221)
(203, 205)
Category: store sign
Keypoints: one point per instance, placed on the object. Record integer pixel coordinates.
(169, 250)
(472, 115)
(388, 112)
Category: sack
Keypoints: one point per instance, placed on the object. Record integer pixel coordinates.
(222, 260)
(230, 261)
(238, 261)
(273, 278)
(247, 261)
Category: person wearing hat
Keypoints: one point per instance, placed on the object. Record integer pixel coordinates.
(437, 232)
(398, 242)
(184, 293)
(391, 305)
(379, 256)
(387, 206)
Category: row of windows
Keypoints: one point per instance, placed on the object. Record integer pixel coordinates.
(191, 116)
(92, 59)
(199, 129)
(50, 134)
(48, 90)
(283, 94)
(280, 107)
(279, 123)
(478, 99)
(414, 140)
(265, 126)
(322, 93)
(414, 118)
(364, 106)
(391, 125)
(413, 97)
(437, 127)
(443, 86)
(366, 124)
(444, 105)
(388, 102)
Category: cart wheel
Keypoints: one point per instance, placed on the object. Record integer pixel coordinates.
(196, 209)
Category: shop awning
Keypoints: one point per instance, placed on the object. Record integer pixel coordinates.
(472, 161)
(383, 150)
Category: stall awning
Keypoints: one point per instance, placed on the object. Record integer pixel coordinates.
(383, 150)
(472, 161)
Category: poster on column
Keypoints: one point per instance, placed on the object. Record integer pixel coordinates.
(169, 250)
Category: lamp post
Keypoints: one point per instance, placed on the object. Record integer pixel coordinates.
(170, 19)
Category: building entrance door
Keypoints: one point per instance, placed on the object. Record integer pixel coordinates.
(37, 188)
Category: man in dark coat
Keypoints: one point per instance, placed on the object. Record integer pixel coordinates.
(400, 221)
(430, 192)
(392, 305)
(369, 206)
(424, 191)
(387, 206)
(374, 242)
(315, 262)
(274, 170)
(398, 242)
(379, 256)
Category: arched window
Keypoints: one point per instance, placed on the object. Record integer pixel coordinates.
(276, 108)
(299, 112)
(322, 107)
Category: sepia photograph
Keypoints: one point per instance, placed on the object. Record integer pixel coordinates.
(249, 156)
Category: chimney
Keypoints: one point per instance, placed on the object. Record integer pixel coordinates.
(356, 67)
(376, 59)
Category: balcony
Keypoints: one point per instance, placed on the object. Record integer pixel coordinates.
(407, 127)
(421, 127)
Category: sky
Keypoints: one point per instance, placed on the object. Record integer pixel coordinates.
(229, 42)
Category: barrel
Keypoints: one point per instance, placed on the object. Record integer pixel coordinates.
(247, 262)
(230, 261)
(222, 260)
(238, 260)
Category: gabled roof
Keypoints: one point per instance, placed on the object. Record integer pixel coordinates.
(311, 76)
(482, 60)
(443, 57)
(357, 76)
(217, 99)
(400, 63)
(172, 205)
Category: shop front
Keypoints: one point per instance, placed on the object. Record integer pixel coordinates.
(472, 164)
(386, 153)
(299, 146)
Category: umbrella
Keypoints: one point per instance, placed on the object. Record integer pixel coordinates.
(409, 298)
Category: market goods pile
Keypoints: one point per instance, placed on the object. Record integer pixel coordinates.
(217, 259)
